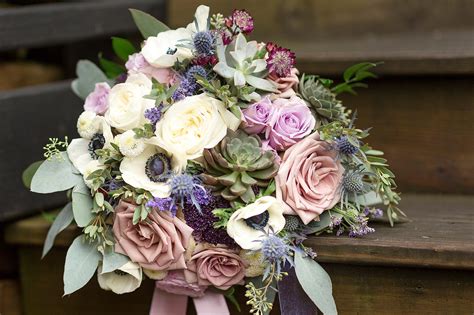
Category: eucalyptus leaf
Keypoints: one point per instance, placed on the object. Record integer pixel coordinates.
(323, 223)
(29, 172)
(82, 259)
(55, 174)
(147, 24)
(369, 199)
(88, 74)
(316, 283)
(112, 260)
(62, 221)
(82, 204)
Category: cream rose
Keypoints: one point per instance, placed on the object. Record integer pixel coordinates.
(193, 124)
(127, 103)
(249, 224)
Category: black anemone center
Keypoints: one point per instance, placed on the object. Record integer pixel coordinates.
(258, 221)
(171, 51)
(120, 272)
(157, 167)
(97, 142)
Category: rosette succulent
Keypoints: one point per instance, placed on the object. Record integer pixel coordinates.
(321, 99)
(239, 62)
(236, 164)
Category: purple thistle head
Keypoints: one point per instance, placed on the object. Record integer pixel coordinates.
(204, 43)
(280, 61)
(187, 189)
(345, 147)
(274, 248)
(195, 70)
(243, 20)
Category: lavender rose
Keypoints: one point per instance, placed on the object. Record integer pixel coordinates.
(309, 178)
(157, 243)
(97, 101)
(175, 283)
(215, 265)
(291, 122)
(137, 64)
(257, 116)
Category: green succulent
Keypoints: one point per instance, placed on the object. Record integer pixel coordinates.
(322, 100)
(236, 164)
(239, 62)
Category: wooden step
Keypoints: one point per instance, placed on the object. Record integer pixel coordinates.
(416, 267)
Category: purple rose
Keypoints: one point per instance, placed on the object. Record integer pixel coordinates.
(257, 116)
(175, 283)
(137, 64)
(97, 101)
(291, 122)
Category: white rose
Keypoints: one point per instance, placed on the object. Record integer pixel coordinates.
(193, 124)
(249, 224)
(164, 50)
(129, 144)
(127, 103)
(125, 279)
(88, 124)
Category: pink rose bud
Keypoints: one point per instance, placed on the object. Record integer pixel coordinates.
(97, 101)
(257, 116)
(137, 64)
(291, 122)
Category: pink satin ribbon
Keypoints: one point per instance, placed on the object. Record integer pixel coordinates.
(164, 303)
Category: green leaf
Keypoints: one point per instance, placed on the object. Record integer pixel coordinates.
(349, 73)
(123, 48)
(88, 74)
(316, 283)
(82, 204)
(29, 172)
(112, 260)
(82, 259)
(147, 24)
(369, 199)
(62, 221)
(112, 69)
(56, 174)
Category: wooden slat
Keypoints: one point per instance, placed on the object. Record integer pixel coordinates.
(440, 235)
(29, 117)
(10, 297)
(420, 37)
(48, 24)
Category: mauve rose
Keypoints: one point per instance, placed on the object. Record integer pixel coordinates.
(157, 243)
(97, 101)
(309, 178)
(291, 122)
(137, 64)
(175, 283)
(287, 84)
(257, 116)
(215, 265)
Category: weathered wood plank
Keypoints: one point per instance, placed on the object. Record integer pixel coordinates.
(48, 24)
(10, 297)
(439, 235)
(29, 117)
(327, 36)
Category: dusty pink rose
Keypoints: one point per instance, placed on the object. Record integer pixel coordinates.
(309, 178)
(257, 116)
(215, 265)
(286, 85)
(175, 283)
(157, 243)
(291, 122)
(97, 101)
(137, 64)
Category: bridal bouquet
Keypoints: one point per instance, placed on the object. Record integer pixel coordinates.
(204, 162)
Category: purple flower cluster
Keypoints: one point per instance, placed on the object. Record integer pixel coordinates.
(188, 85)
(280, 60)
(163, 204)
(361, 228)
(373, 213)
(241, 19)
(203, 222)
(154, 114)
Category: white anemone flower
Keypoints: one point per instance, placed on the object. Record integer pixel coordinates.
(125, 279)
(81, 151)
(248, 225)
(149, 171)
(168, 47)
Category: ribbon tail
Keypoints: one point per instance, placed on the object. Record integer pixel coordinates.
(211, 303)
(164, 303)
(293, 299)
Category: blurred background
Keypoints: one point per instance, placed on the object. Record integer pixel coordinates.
(421, 107)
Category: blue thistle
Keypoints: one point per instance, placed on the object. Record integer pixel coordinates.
(186, 189)
(195, 70)
(353, 182)
(344, 146)
(274, 248)
(203, 43)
